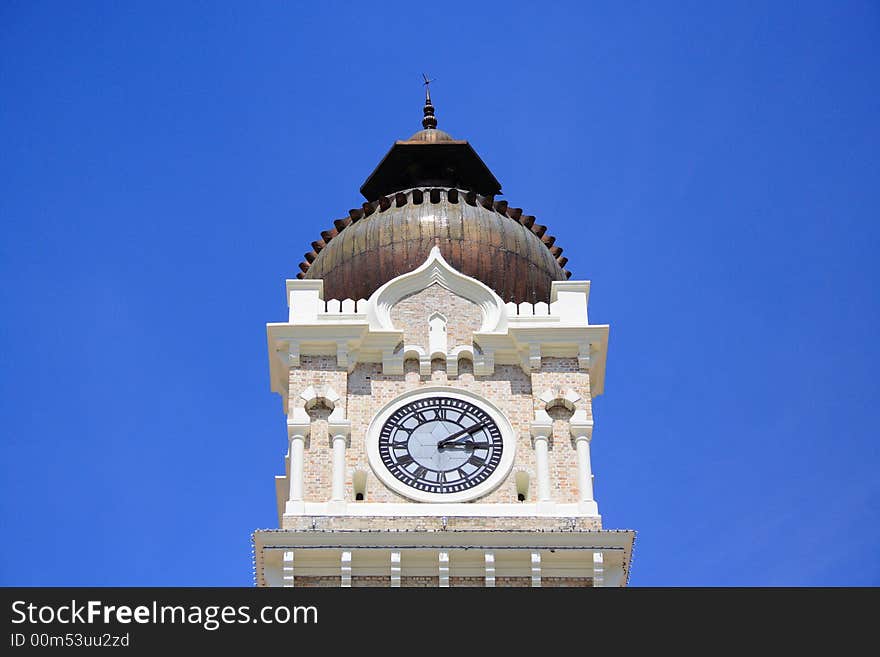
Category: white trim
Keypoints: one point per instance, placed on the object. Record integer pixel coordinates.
(598, 569)
(443, 569)
(395, 568)
(435, 270)
(440, 509)
(345, 569)
(322, 549)
(414, 351)
(287, 572)
(536, 569)
(618, 541)
(511, 334)
(438, 344)
(508, 453)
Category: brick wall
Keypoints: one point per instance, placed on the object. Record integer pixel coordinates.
(312, 581)
(375, 581)
(467, 581)
(411, 314)
(366, 389)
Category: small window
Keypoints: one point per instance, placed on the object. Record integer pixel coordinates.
(359, 483)
(411, 366)
(522, 486)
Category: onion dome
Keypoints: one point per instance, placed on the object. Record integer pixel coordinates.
(432, 190)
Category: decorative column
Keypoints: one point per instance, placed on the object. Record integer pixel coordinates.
(339, 431)
(287, 568)
(598, 569)
(536, 569)
(541, 430)
(582, 433)
(490, 569)
(297, 432)
(395, 569)
(444, 569)
(345, 569)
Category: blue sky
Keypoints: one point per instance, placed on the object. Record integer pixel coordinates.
(712, 168)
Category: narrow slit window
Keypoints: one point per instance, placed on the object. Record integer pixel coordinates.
(359, 483)
(522, 486)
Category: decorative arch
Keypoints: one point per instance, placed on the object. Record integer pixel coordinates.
(414, 351)
(435, 269)
(465, 351)
(437, 338)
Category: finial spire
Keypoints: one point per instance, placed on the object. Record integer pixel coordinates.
(429, 121)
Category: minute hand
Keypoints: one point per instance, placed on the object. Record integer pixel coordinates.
(459, 434)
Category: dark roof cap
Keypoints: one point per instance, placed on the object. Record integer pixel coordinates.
(430, 158)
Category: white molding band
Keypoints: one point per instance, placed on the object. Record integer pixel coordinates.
(440, 509)
(604, 555)
(362, 331)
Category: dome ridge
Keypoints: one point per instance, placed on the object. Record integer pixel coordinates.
(511, 247)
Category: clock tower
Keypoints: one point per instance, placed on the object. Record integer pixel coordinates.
(437, 371)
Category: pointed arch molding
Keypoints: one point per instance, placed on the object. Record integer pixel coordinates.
(435, 269)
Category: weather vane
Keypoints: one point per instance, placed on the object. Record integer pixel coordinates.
(427, 82)
(429, 121)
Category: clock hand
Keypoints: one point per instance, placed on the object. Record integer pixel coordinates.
(467, 444)
(464, 432)
(458, 434)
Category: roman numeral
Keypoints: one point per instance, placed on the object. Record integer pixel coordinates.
(477, 461)
(420, 472)
(405, 460)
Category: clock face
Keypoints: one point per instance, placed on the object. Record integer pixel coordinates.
(440, 444)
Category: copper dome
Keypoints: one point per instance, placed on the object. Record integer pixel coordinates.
(434, 189)
(431, 135)
(477, 235)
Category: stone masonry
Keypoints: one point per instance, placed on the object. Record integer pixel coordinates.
(366, 389)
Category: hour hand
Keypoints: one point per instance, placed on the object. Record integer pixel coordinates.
(467, 444)
(458, 434)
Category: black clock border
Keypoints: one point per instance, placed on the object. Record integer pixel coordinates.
(466, 482)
